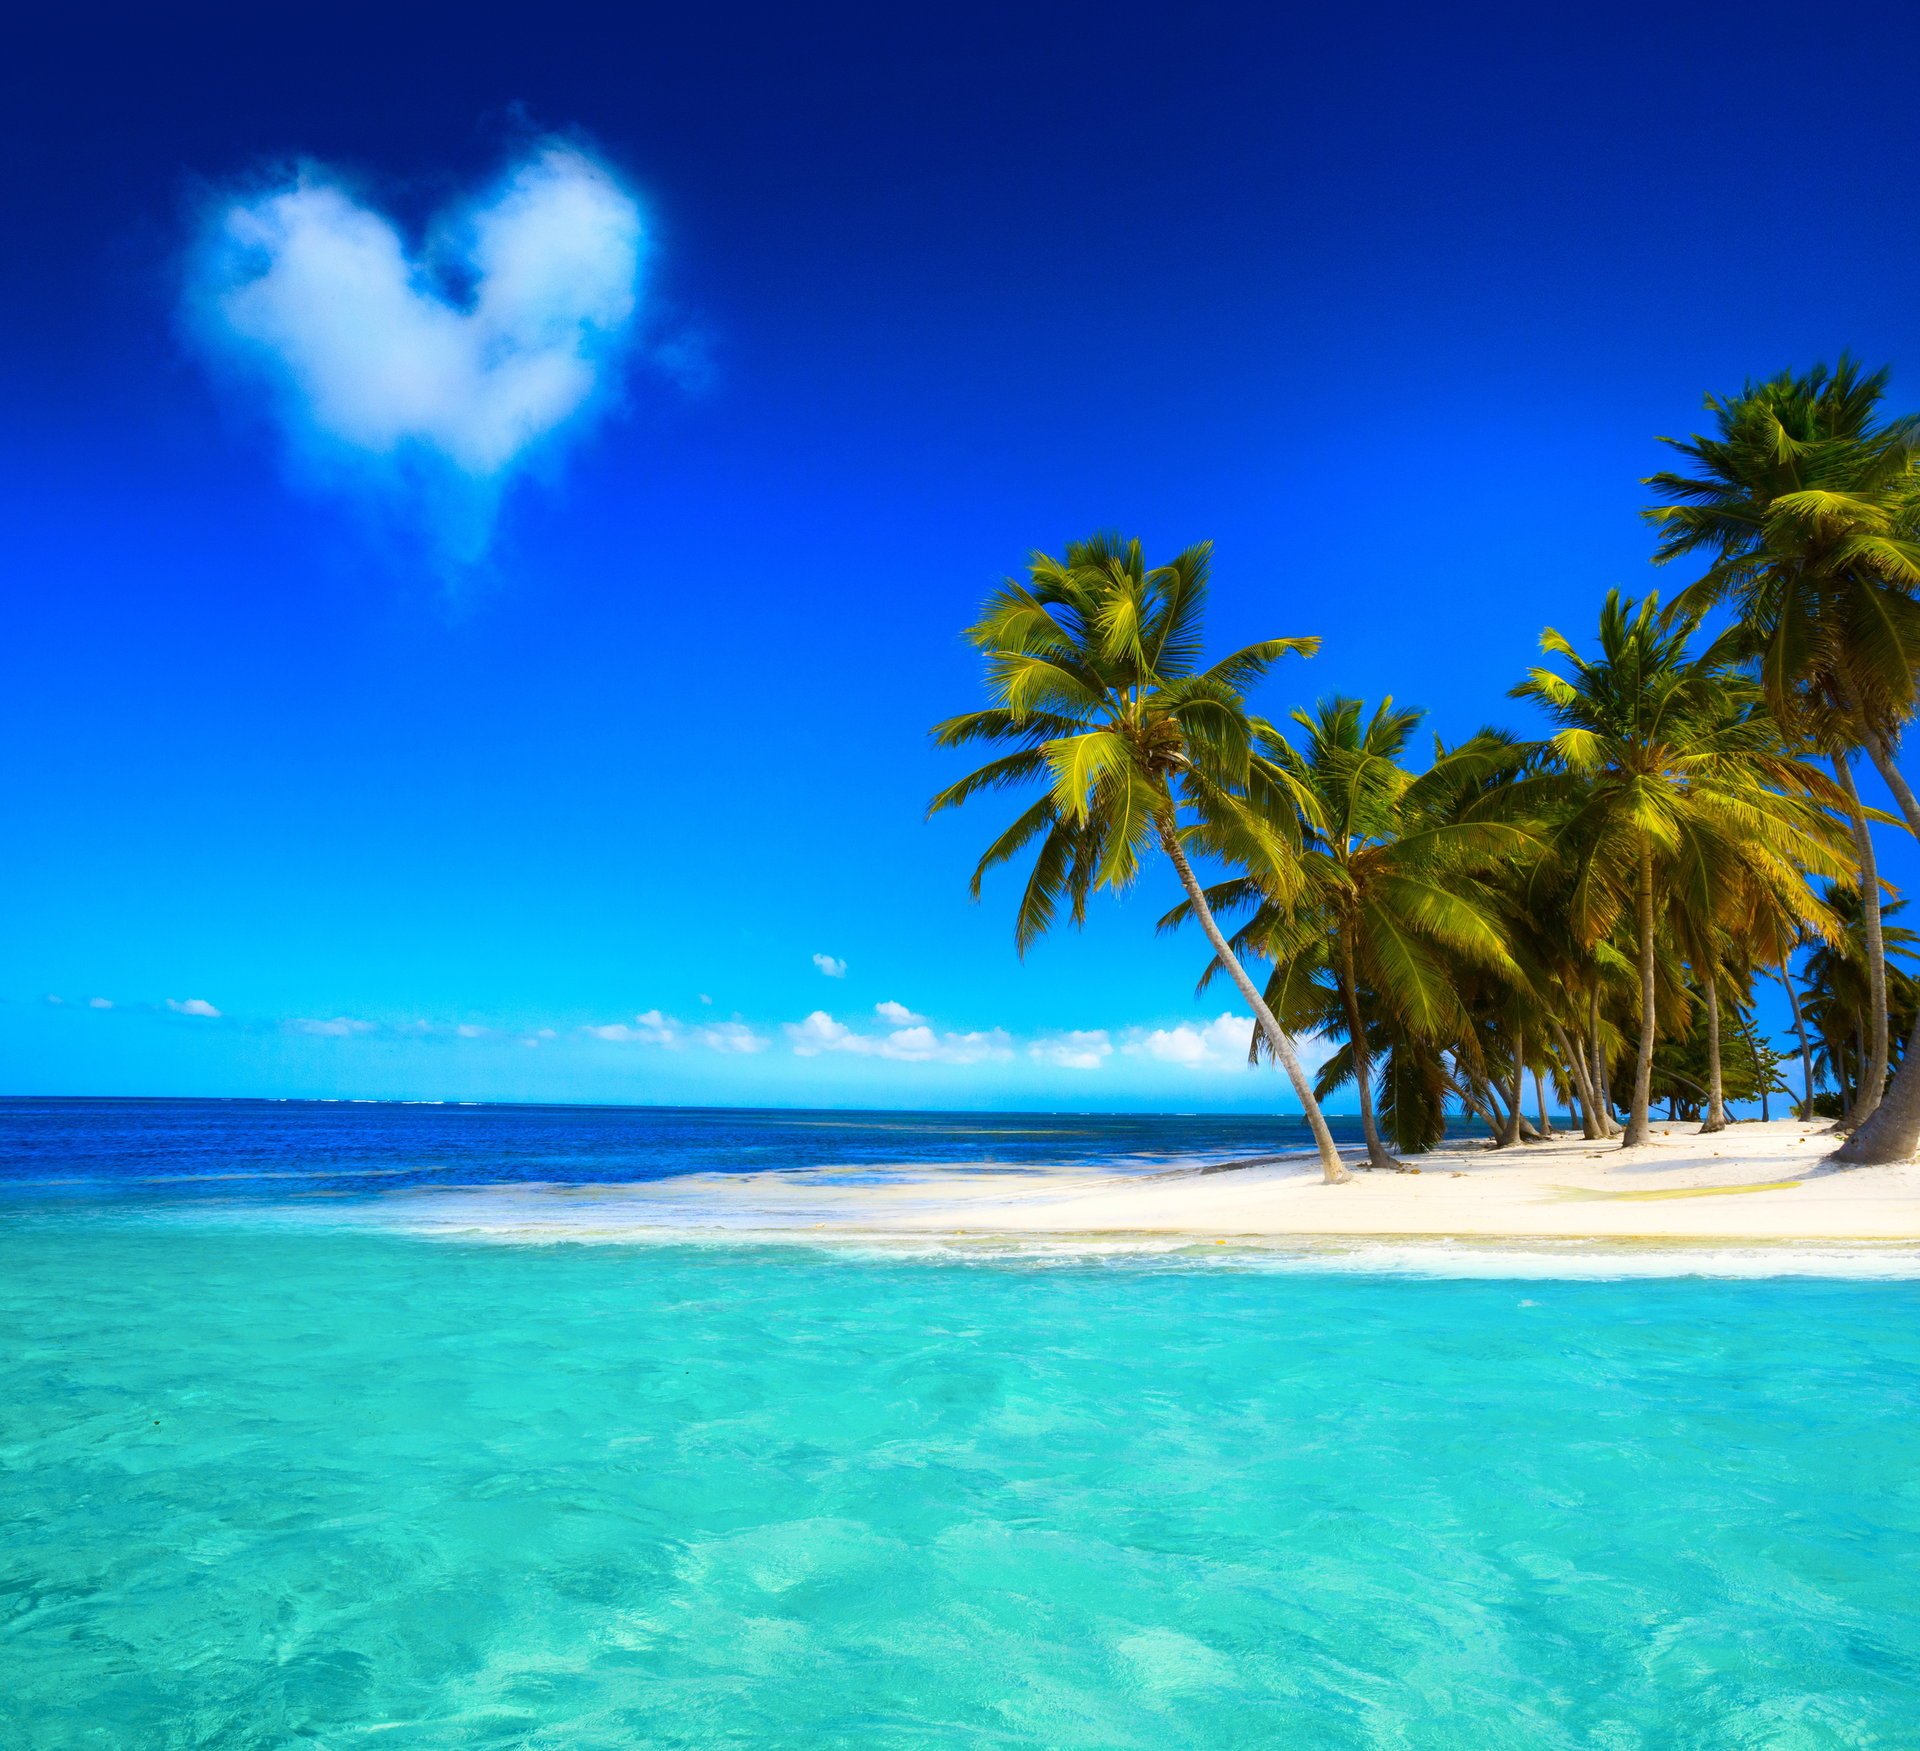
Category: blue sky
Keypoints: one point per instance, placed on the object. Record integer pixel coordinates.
(433, 777)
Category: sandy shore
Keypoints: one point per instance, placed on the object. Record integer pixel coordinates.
(1750, 1183)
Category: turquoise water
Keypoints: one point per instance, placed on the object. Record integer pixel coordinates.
(266, 1484)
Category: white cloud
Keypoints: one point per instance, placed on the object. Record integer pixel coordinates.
(461, 357)
(897, 1013)
(1076, 1049)
(57, 1002)
(337, 1027)
(469, 1030)
(833, 968)
(99, 1002)
(651, 1028)
(914, 1045)
(731, 1036)
(191, 1006)
(1220, 1044)
(654, 1028)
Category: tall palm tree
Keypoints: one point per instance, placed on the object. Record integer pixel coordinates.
(1094, 669)
(1670, 764)
(1728, 911)
(1385, 888)
(1808, 504)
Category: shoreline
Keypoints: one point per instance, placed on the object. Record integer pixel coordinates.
(1752, 1185)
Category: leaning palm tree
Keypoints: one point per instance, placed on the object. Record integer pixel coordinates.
(1808, 505)
(1671, 765)
(1094, 669)
(1386, 885)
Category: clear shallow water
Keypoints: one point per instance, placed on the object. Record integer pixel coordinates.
(267, 1483)
(273, 1471)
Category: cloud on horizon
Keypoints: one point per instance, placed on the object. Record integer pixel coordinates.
(1220, 1044)
(192, 1006)
(914, 1045)
(435, 373)
(652, 1028)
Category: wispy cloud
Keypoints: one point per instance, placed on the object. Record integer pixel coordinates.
(730, 1036)
(191, 1006)
(915, 1045)
(831, 966)
(434, 372)
(99, 1002)
(1076, 1049)
(897, 1013)
(655, 1028)
(338, 1027)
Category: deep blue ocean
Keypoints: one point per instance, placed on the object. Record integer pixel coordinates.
(278, 1149)
(268, 1478)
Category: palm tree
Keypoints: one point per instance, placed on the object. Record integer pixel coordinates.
(1839, 992)
(1809, 506)
(1093, 666)
(1385, 890)
(1670, 766)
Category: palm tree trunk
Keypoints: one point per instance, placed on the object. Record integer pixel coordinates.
(1580, 1074)
(1378, 1154)
(1489, 1091)
(1540, 1101)
(1639, 1128)
(1800, 1028)
(1602, 1087)
(1873, 1078)
(1893, 1132)
(1331, 1167)
(1716, 1098)
(1511, 1135)
(1470, 1099)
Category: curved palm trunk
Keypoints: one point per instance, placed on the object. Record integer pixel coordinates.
(1513, 1097)
(1602, 1088)
(1873, 1075)
(1378, 1154)
(1475, 1107)
(1806, 1055)
(1639, 1126)
(1331, 1167)
(1578, 1073)
(1716, 1100)
(1893, 1132)
(1540, 1101)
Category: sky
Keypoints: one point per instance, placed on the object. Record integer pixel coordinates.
(489, 498)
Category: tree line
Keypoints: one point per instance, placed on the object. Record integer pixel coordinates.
(1591, 909)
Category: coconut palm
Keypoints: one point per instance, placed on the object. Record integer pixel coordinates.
(1385, 894)
(1671, 765)
(1808, 505)
(1094, 669)
(1839, 993)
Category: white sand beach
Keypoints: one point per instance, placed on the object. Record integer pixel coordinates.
(1749, 1183)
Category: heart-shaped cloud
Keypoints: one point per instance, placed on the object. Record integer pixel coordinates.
(464, 357)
